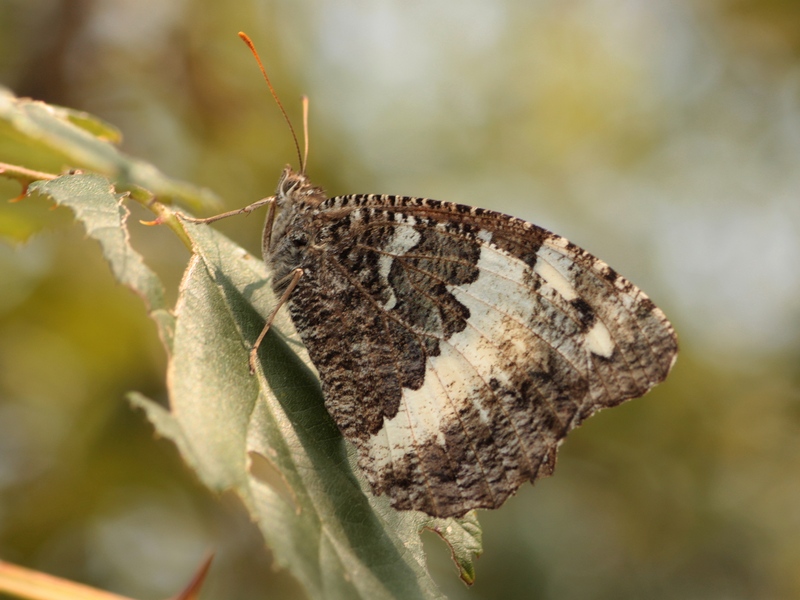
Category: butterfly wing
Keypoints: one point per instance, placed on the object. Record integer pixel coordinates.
(458, 346)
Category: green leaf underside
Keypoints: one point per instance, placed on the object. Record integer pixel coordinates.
(98, 207)
(269, 438)
(80, 140)
(465, 539)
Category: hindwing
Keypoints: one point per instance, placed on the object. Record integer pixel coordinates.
(457, 346)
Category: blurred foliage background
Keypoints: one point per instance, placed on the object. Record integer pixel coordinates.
(662, 136)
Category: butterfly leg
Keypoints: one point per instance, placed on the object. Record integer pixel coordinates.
(247, 210)
(295, 278)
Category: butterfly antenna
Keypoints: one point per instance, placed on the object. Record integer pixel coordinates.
(305, 135)
(252, 47)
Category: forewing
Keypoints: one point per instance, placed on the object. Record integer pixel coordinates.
(457, 346)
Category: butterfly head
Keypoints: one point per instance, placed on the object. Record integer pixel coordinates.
(295, 198)
(295, 189)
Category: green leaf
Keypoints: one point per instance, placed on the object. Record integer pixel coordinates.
(269, 438)
(35, 132)
(465, 539)
(99, 208)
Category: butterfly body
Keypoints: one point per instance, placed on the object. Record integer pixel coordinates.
(456, 346)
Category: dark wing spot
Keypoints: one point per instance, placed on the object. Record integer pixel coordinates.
(585, 313)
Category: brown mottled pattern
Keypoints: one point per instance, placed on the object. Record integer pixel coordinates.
(391, 286)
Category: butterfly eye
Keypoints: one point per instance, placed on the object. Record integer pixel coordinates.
(300, 240)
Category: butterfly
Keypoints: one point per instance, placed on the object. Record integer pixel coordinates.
(456, 346)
